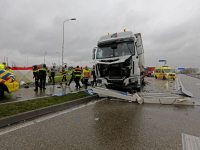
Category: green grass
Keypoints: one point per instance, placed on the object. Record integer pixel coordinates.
(20, 107)
(68, 77)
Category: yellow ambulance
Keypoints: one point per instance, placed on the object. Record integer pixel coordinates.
(8, 82)
(164, 72)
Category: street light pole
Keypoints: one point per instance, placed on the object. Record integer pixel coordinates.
(63, 39)
(44, 56)
(59, 60)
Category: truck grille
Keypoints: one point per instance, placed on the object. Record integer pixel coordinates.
(115, 73)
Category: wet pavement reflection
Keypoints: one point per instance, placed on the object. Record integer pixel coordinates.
(29, 93)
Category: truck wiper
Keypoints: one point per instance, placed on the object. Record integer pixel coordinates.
(129, 49)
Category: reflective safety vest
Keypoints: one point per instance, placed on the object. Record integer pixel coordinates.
(86, 73)
(10, 70)
(64, 72)
(2, 66)
(78, 72)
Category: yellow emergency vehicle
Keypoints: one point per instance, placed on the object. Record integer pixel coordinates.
(8, 82)
(164, 72)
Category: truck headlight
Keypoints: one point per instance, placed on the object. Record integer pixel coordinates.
(13, 77)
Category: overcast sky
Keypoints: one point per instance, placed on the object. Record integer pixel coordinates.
(170, 29)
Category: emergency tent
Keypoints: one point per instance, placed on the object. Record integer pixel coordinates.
(25, 74)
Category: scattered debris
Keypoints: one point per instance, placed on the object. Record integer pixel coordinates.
(96, 119)
(59, 94)
(26, 87)
(89, 92)
(58, 86)
(78, 119)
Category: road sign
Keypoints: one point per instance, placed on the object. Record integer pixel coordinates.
(162, 60)
(181, 68)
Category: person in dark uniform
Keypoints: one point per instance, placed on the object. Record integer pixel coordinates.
(77, 74)
(43, 74)
(36, 76)
(52, 75)
(72, 76)
(94, 76)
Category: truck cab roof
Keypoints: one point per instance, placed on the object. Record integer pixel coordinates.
(106, 39)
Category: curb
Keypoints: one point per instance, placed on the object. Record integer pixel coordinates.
(42, 111)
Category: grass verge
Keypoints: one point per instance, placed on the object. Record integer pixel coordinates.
(58, 79)
(20, 107)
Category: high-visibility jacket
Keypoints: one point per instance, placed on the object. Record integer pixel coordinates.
(52, 72)
(35, 73)
(78, 72)
(2, 66)
(64, 72)
(72, 72)
(43, 72)
(93, 72)
(10, 70)
(86, 73)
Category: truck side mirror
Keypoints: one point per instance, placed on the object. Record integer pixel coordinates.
(139, 48)
(93, 53)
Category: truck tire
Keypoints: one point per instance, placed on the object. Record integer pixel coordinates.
(164, 78)
(1, 93)
(156, 77)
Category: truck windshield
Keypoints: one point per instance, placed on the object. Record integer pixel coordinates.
(168, 70)
(116, 50)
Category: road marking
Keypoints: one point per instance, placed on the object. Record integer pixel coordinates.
(190, 142)
(66, 111)
(16, 127)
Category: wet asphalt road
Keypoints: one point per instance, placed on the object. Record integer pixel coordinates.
(29, 93)
(120, 125)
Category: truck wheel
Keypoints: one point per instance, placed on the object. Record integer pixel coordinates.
(164, 78)
(156, 77)
(1, 93)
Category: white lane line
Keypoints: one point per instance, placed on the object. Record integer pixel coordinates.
(16, 127)
(66, 111)
(190, 142)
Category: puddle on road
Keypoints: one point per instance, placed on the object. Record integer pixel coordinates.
(29, 93)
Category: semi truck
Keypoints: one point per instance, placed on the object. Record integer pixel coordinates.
(119, 61)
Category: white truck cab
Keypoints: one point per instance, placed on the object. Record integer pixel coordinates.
(119, 61)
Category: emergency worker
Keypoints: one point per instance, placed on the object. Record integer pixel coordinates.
(64, 74)
(43, 74)
(86, 75)
(72, 76)
(36, 76)
(77, 74)
(52, 75)
(2, 66)
(9, 69)
(94, 76)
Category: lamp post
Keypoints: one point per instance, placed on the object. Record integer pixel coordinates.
(44, 56)
(63, 38)
(59, 61)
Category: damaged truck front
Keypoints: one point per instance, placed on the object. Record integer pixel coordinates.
(119, 61)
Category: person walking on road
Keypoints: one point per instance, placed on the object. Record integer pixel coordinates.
(94, 76)
(77, 74)
(64, 74)
(72, 76)
(86, 75)
(36, 76)
(2, 66)
(52, 75)
(43, 74)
